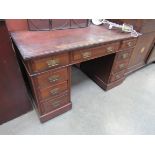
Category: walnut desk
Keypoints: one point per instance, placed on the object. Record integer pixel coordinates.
(48, 57)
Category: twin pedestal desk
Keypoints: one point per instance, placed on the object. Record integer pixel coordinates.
(47, 57)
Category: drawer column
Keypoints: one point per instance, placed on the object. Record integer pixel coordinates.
(109, 71)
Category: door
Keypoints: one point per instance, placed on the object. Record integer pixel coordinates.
(151, 57)
(141, 51)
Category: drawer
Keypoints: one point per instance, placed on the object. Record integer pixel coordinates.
(117, 76)
(52, 92)
(49, 63)
(91, 53)
(128, 44)
(55, 104)
(124, 55)
(119, 66)
(51, 78)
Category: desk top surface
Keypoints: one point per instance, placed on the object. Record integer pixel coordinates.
(33, 44)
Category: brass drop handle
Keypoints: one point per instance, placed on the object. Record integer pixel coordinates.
(129, 43)
(55, 104)
(117, 76)
(110, 49)
(54, 78)
(54, 91)
(53, 62)
(121, 66)
(86, 55)
(125, 55)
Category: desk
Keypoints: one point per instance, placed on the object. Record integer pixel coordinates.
(48, 57)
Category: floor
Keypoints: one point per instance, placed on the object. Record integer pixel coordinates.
(126, 109)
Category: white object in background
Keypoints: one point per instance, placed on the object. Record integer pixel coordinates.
(125, 27)
(97, 21)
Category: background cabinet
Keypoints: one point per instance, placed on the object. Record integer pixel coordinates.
(145, 42)
(14, 100)
(140, 53)
(151, 57)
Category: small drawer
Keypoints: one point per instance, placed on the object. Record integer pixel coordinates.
(52, 92)
(82, 55)
(87, 54)
(124, 55)
(117, 76)
(112, 48)
(128, 44)
(51, 78)
(119, 66)
(49, 63)
(55, 104)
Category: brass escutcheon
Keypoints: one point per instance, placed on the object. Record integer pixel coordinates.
(142, 50)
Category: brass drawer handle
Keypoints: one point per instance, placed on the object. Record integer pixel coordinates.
(54, 91)
(86, 55)
(53, 62)
(125, 55)
(56, 104)
(110, 49)
(121, 66)
(117, 76)
(129, 43)
(54, 78)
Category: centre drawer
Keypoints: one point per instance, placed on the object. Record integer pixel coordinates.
(50, 62)
(95, 52)
(51, 78)
(53, 91)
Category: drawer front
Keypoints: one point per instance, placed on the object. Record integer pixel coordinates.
(55, 104)
(51, 78)
(117, 76)
(52, 92)
(50, 62)
(119, 66)
(87, 54)
(128, 44)
(125, 55)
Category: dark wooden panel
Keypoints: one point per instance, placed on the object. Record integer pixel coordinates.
(14, 99)
(17, 25)
(141, 51)
(151, 57)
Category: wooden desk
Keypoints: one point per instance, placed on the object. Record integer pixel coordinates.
(48, 57)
